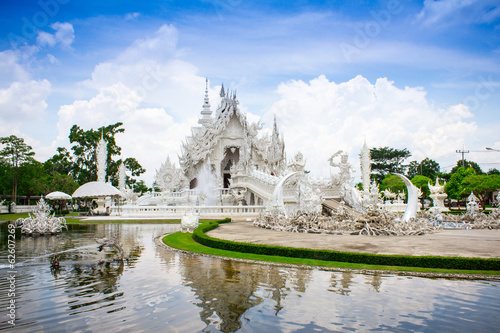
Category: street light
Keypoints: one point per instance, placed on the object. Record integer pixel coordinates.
(488, 148)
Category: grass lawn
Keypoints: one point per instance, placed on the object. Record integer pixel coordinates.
(184, 241)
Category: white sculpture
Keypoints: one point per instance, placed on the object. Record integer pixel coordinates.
(472, 203)
(189, 222)
(365, 163)
(102, 155)
(41, 222)
(412, 206)
(122, 176)
(349, 193)
(437, 195)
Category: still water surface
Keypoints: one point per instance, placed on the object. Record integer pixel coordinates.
(165, 291)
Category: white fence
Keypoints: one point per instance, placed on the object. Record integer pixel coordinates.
(23, 209)
(177, 212)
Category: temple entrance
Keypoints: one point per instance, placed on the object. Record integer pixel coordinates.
(227, 180)
(231, 158)
(193, 183)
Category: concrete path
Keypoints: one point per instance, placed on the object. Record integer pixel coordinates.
(459, 243)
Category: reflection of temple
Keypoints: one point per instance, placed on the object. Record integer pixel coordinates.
(227, 289)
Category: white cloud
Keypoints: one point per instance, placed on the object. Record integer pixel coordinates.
(151, 67)
(45, 39)
(132, 16)
(22, 102)
(64, 35)
(320, 117)
(150, 133)
(449, 12)
(10, 69)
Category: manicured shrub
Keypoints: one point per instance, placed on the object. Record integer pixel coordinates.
(351, 257)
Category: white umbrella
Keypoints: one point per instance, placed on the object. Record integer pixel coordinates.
(96, 190)
(58, 196)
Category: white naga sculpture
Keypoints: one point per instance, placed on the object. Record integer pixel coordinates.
(412, 206)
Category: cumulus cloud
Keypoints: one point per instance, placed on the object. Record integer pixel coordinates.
(22, 102)
(320, 117)
(151, 134)
(10, 69)
(448, 12)
(152, 68)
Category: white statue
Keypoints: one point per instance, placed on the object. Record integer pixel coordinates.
(472, 203)
(365, 163)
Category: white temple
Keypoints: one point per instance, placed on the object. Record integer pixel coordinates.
(228, 167)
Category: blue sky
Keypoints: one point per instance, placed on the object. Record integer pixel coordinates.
(422, 75)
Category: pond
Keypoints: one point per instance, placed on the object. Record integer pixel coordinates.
(161, 290)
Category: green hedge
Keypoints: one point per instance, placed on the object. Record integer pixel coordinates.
(351, 257)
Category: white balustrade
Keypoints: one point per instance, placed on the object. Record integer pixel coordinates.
(176, 212)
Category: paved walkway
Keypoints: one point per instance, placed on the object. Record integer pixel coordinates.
(461, 243)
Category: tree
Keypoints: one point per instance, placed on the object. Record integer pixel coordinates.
(422, 182)
(467, 164)
(132, 166)
(31, 178)
(426, 167)
(481, 186)
(15, 152)
(387, 160)
(140, 187)
(393, 183)
(62, 162)
(454, 187)
(84, 150)
(494, 171)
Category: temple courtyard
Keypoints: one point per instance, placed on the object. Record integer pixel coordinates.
(481, 243)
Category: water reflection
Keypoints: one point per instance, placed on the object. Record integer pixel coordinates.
(161, 290)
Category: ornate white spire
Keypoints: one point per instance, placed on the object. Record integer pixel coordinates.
(122, 177)
(365, 161)
(102, 155)
(276, 151)
(206, 113)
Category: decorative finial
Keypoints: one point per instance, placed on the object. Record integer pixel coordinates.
(222, 92)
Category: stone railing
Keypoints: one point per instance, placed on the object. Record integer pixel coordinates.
(177, 212)
(23, 208)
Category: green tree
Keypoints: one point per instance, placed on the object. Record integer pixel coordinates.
(140, 187)
(481, 186)
(387, 160)
(422, 182)
(426, 167)
(393, 183)
(31, 178)
(454, 187)
(5, 177)
(15, 152)
(467, 164)
(85, 146)
(62, 162)
(494, 171)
